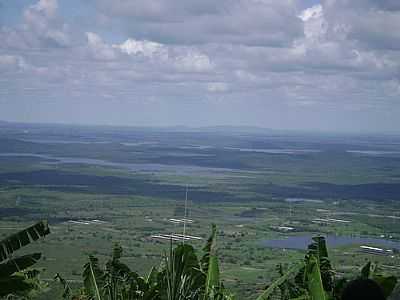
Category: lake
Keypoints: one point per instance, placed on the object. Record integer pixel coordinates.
(134, 167)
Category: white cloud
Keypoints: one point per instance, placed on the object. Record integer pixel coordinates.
(98, 48)
(315, 25)
(12, 63)
(313, 12)
(41, 28)
(368, 23)
(145, 48)
(40, 20)
(47, 7)
(251, 22)
(194, 61)
(181, 58)
(217, 87)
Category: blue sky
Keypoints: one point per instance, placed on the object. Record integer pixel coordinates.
(332, 65)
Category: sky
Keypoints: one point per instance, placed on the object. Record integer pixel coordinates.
(329, 65)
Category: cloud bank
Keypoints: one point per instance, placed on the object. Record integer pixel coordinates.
(334, 65)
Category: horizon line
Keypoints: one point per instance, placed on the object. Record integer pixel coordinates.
(226, 127)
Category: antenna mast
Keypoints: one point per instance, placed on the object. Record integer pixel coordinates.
(184, 219)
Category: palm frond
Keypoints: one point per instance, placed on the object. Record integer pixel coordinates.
(314, 281)
(93, 278)
(267, 294)
(18, 264)
(22, 238)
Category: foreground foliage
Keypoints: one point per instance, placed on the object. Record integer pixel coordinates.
(16, 279)
(182, 275)
(315, 278)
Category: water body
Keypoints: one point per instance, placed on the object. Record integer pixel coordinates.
(276, 151)
(199, 147)
(374, 152)
(85, 142)
(295, 200)
(301, 242)
(16, 154)
(134, 167)
(49, 141)
(136, 144)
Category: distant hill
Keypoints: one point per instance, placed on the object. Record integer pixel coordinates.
(239, 129)
(177, 128)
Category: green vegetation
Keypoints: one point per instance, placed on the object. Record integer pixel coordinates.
(16, 278)
(181, 275)
(244, 263)
(132, 182)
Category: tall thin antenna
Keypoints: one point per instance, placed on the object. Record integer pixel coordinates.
(185, 217)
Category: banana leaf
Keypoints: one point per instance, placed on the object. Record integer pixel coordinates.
(17, 284)
(313, 278)
(93, 278)
(366, 270)
(182, 276)
(387, 283)
(18, 264)
(319, 250)
(267, 294)
(22, 238)
(205, 260)
(212, 281)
